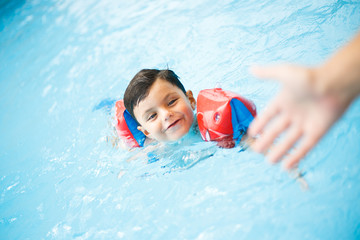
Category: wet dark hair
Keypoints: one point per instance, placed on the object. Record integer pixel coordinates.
(139, 86)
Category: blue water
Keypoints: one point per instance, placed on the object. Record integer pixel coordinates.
(61, 179)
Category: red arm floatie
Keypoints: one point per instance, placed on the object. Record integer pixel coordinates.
(126, 127)
(223, 114)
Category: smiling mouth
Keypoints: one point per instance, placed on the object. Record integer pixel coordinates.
(173, 124)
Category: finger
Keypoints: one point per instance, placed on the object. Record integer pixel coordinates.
(268, 72)
(271, 133)
(306, 145)
(282, 148)
(258, 124)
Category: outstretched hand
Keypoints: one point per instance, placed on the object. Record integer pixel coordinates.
(299, 113)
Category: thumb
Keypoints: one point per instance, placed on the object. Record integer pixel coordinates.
(282, 73)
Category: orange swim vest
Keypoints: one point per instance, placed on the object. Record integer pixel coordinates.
(220, 115)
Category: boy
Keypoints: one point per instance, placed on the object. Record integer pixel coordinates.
(157, 100)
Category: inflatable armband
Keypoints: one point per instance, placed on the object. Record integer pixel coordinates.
(126, 127)
(223, 115)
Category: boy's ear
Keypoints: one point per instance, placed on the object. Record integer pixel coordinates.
(191, 98)
(147, 134)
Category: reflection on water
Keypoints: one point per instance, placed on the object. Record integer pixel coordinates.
(164, 158)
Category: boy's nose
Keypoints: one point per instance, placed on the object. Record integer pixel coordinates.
(167, 114)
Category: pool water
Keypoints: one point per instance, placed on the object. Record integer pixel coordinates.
(61, 179)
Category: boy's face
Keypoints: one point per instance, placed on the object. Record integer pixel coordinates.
(166, 114)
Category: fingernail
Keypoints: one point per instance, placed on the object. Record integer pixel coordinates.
(270, 161)
(256, 149)
(286, 166)
(253, 147)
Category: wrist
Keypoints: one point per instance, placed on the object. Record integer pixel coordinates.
(319, 80)
(329, 79)
(331, 84)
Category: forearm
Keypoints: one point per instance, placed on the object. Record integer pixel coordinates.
(341, 73)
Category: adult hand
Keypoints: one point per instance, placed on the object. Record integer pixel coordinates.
(299, 112)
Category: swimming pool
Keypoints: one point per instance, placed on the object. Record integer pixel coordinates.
(60, 179)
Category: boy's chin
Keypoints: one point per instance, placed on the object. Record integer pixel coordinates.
(178, 135)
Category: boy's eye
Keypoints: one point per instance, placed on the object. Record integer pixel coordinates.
(152, 116)
(172, 101)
